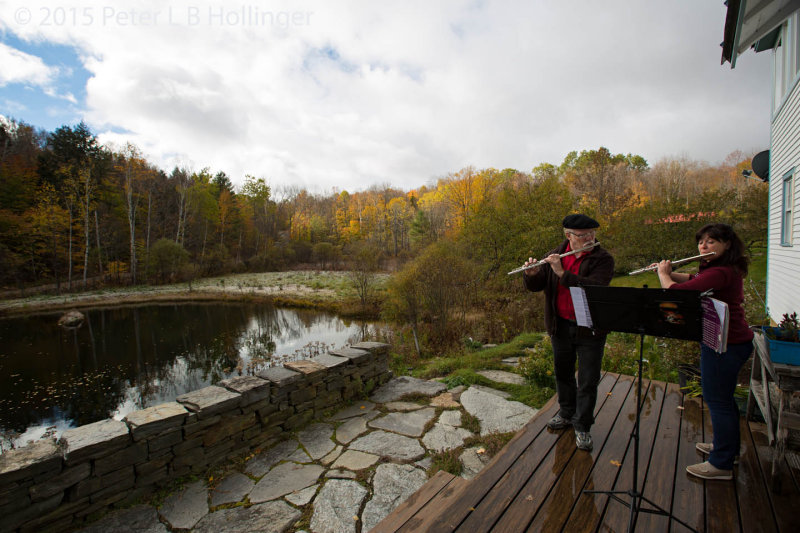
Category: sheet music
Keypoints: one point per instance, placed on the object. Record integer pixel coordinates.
(581, 305)
(715, 324)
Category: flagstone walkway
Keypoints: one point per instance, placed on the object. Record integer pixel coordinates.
(324, 478)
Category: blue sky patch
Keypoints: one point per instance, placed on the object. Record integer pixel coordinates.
(30, 103)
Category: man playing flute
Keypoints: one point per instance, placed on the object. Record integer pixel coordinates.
(570, 341)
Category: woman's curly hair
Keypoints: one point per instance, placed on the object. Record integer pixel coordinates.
(735, 254)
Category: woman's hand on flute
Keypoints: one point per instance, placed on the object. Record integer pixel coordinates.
(665, 274)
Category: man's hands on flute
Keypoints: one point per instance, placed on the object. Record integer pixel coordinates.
(554, 260)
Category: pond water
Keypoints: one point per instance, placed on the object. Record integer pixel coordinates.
(128, 358)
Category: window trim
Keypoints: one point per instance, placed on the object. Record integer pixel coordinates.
(786, 68)
(787, 189)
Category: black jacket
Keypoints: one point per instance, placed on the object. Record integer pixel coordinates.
(597, 268)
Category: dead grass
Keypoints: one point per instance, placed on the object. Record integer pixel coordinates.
(313, 289)
(447, 461)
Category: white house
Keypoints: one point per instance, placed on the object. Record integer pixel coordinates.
(775, 25)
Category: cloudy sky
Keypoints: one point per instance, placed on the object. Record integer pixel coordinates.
(348, 94)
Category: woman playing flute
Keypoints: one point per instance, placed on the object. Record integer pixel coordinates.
(570, 341)
(723, 273)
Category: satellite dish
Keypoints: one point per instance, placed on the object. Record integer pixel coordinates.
(760, 165)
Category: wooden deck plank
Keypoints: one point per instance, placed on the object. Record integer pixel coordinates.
(659, 480)
(793, 462)
(587, 512)
(435, 508)
(616, 515)
(609, 466)
(550, 454)
(785, 502)
(414, 503)
(537, 480)
(528, 499)
(551, 451)
(722, 508)
(688, 502)
(751, 488)
(496, 469)
(555, 510)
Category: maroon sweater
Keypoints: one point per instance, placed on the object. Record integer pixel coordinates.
(726, 283)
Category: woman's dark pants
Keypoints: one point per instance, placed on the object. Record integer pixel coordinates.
(718, 375)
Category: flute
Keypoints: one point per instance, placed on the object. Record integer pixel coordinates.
(678, 262)
(540, 263)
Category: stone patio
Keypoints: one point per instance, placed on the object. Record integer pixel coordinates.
(327, 471)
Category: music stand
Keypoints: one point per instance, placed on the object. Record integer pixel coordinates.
(658, 312)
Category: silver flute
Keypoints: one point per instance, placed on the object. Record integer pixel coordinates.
(540, 263)
(678, 262)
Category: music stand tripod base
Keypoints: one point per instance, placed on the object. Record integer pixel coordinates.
(656, 312)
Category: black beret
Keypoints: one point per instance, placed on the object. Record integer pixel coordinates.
(579, 221)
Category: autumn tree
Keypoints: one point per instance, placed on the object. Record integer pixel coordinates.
(75, 164)
(20, 145)
(603, 181)
(257, 193)
(364, 261)
(131, 170)
(181, 181)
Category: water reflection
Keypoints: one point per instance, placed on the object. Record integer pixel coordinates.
(128, 358)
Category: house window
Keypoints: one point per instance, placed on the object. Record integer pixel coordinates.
(796, 44)
(787, 205)
(777, 98)
(786, 59)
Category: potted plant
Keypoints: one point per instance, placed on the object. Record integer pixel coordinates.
(784, 341)
(688, 372)
(693, 388)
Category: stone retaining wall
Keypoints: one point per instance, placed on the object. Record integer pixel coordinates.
(53, 485)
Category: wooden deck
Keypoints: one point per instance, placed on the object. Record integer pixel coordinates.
(536, 482)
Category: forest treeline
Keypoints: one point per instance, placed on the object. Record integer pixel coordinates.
(72, 210)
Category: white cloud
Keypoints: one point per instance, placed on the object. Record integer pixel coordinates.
(352, 93)
(19, 67)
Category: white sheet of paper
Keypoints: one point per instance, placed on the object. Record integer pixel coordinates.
(581, 306)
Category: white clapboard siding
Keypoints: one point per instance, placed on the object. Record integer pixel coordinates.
(783, 263)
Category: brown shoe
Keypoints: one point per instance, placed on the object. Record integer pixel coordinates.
(708, 447)
(704, 447)
(708, 471)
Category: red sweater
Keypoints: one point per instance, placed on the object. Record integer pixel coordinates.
(564, 306)
(726, 283)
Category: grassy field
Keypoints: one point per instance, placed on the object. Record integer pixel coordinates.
(324, 289)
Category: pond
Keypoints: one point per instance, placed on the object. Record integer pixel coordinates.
(128, 358)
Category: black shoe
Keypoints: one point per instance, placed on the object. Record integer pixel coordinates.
(583, 440)
(558, 422)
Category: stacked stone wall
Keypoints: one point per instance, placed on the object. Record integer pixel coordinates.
(52, 485)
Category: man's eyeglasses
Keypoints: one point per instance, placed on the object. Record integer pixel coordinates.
(590, 234)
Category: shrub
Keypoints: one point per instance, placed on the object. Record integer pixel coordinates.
(538, 366)
(167, 259)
